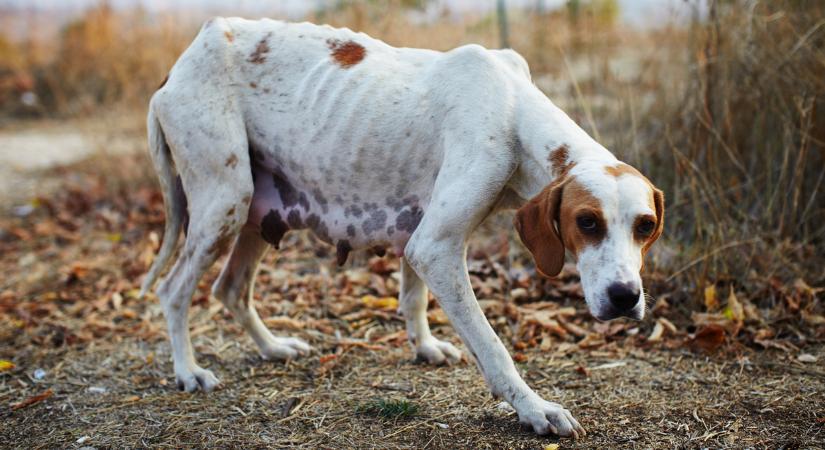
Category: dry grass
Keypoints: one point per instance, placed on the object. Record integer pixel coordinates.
(654, 399)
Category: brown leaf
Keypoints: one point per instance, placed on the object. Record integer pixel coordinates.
(32, 400)
(708, 339)
(711, 302)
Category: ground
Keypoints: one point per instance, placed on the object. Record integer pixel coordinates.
(83, 362)
(106, 394)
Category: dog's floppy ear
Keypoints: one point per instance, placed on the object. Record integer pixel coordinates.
(535, 223)
(659, 204)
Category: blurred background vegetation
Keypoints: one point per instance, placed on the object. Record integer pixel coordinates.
(725, 110)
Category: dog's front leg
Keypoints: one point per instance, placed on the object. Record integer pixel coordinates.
(437, 252)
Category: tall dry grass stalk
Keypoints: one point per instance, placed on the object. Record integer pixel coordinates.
(742, 156)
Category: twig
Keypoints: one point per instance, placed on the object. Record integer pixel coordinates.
(708, 255)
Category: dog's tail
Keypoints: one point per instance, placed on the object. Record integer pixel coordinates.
(174, 199)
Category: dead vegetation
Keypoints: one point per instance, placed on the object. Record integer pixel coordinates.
(724, 115)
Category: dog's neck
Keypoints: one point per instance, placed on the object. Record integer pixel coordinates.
(550, 142)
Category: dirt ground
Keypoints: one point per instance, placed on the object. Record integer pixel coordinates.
(107, 395)
(88, 365)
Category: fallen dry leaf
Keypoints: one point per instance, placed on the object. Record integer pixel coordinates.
(32, 400)
(390, 303)
(711, 302)
(6, 365)
(326, 358)
(709, 338)
(656, 334)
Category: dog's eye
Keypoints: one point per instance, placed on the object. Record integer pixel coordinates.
(586, 223)
(645, 227)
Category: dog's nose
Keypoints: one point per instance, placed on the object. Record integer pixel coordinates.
(623, 296)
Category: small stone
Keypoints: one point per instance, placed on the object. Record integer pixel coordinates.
(96, 390)
(806, 358)
(39, 374)
(518, 293)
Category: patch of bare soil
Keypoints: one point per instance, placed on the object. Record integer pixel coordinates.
(120, 393)
(83, 362)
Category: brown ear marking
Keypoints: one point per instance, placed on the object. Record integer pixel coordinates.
(659, 205)
(535, 225)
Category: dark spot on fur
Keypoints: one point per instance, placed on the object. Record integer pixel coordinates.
(408, 219)
(289, 196)
(376, 221)
(232, 161)
(259, 55)
(230, 212)
(346, 54)
(273, 228)
(322, 232)
(351, 230)
(390, 230)
(312, 221)
(219, 246)
(379, 251)
(253, 84)
(294, 219)
(319, 197)
(342, 250)
(355, 210)
(302, 199)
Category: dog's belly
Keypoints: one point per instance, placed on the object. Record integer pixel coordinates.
(348, 221)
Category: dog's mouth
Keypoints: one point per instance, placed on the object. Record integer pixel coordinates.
(608, 313)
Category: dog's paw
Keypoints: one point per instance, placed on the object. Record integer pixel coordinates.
(284, 349)
(192, 379)
(436, 352)
(547, 417)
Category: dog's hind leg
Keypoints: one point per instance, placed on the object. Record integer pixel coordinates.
(413, 306)
(234, 289)
(213, 163)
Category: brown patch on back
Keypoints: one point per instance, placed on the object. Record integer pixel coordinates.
(346, 54)
(232, 161)
(259, 55)
(558, 159)
(229, 36)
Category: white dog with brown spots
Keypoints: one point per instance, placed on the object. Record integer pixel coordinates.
(264, 127)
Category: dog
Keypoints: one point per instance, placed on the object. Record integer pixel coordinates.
(262, 127)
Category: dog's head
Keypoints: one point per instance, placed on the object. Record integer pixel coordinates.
(607, 217)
